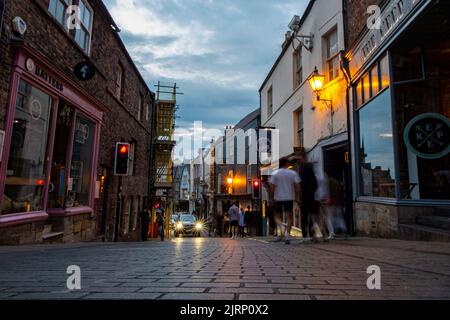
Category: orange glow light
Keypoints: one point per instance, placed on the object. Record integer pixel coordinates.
(40, 182)
(124, 150)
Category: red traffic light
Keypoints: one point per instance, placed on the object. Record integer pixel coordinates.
(256, 183)
(124, 149)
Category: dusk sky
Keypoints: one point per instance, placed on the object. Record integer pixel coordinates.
(217, 51)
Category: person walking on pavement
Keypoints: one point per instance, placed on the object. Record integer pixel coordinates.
(241, 223)
(160, 221)
(248, 220)
(233, 214)
(145, 220)
(285, 185)
(309, 187)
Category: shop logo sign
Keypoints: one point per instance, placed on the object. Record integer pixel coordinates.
(428, 136)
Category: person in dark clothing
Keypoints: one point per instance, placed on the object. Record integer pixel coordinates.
(248, 219)
(145, 220)
(160, 222)
(308, 202)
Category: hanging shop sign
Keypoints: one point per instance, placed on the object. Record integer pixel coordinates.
(84, 70)
(428, 136)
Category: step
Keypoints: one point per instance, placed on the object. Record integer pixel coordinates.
(52, 236)
(416, 232)
(442, 212)
(436, 222)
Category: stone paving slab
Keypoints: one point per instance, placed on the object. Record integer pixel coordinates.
(224, 269)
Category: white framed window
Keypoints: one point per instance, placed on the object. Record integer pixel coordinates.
(119, 81)
(58, 9)
(299, 127)
(270, 102)
(83, 34)
(298, 67)
(332, 55)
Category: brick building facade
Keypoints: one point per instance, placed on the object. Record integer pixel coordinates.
(82, 120)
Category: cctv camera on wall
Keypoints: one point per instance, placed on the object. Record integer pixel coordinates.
(19, 26)
(294, 25)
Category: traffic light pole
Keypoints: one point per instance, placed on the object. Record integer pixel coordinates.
(118, 209)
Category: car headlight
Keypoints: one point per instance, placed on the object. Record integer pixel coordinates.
(199, 226)
(179, 226)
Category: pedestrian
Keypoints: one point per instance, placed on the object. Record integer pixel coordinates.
(160, 221)
(145, 220)
(233, 214)
(285, 184)
(331, 201)
(308, 198)
(248, 220)
(241, 223)
(211, 225)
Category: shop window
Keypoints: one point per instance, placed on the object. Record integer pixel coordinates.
(81, 164)
(367, 87)
(372, 82)
(26, 173)
(407, 64)
(376, 151)
(375, 80)
(421, 176)
(58, 176)
(359, 94)
(384, 71)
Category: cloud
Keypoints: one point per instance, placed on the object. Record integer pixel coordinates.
(218, 52)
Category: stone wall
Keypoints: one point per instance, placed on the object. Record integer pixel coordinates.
(377, 220)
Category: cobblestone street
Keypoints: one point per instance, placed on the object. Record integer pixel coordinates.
(256, 269)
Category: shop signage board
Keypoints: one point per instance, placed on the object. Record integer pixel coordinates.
(85, 70)
(391, 17)
(428, 136)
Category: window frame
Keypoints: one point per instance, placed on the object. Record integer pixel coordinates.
(331, 58)
(297, 67)
(270, 102)
(87, 29)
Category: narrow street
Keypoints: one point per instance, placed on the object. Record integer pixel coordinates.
(224, 269)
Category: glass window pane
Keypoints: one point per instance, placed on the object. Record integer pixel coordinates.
(366, 87)
(422, 178)
(375, 80)
(376, 149)
(52, 7)
(384, 70)
(359, 94)
(58, 176)
(60, 12)
(80, 38)
(26, 173)
(81, 169)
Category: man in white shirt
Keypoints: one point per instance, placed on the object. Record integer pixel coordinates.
(285, 184)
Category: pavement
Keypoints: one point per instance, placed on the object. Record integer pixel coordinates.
(225, 269)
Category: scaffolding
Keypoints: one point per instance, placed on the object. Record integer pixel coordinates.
(166, 106)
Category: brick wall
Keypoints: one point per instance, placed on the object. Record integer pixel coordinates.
(356, 22)
(120, 123)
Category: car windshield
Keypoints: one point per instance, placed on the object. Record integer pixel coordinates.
(187, 218)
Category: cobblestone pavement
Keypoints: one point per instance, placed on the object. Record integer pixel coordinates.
(225, 269)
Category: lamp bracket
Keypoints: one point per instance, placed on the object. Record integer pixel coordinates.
(306, 41)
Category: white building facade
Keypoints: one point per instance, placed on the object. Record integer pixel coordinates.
(288, 103)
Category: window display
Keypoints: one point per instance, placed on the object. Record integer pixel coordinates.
(26, 172)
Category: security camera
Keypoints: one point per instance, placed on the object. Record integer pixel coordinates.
(19, 25)
(294, 25)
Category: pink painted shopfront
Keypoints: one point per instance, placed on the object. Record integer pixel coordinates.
(50, 154)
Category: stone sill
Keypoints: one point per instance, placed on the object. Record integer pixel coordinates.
(69, 212)
(22, 218)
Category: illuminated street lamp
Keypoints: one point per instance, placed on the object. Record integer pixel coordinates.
(316, 81)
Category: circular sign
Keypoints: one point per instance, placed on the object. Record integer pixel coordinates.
(36, 109)
(428, 136)
(84, 70)
(30, 65)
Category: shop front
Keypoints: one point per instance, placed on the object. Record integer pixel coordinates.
(400, 121)
(49, 159)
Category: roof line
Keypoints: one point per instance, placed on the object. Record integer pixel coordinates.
(286, 46)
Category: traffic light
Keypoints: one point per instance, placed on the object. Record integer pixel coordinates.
(122, 159)
(256, 188)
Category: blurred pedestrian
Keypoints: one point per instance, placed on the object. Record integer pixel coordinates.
(145, 221)
(241, 223)
(308, 201)
(285, 184)
(160, 222)
(233, 214)
(248, 220)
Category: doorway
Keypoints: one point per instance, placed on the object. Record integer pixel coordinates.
(337, 165)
